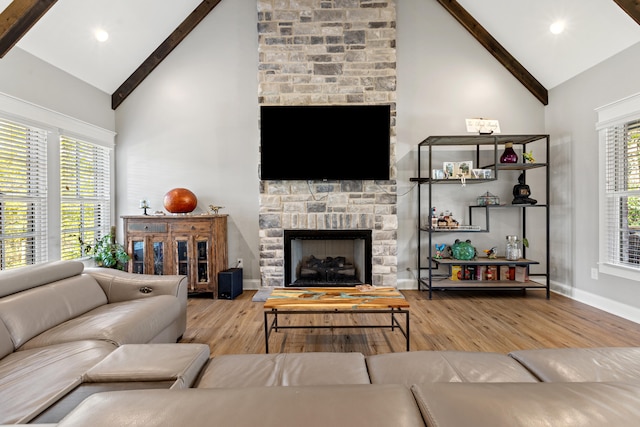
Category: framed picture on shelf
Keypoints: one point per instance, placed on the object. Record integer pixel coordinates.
(438, 174)
(463, 169)
(477, 173)
(449, 169)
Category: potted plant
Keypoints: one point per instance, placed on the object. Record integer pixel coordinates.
(108, 253)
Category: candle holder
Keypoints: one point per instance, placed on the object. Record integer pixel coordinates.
(144, 205)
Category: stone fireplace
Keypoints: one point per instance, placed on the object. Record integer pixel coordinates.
(315, 52)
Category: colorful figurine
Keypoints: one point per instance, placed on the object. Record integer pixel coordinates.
(492, 253)
(463, 250)
(439, 249)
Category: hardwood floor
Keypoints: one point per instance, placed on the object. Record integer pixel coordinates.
(471, 321)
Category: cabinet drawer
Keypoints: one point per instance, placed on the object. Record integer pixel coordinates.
(149, 227)
(191, 227)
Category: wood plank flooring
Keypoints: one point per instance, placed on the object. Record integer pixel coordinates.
(471, 321)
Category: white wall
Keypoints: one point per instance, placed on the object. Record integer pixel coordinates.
(445, 76)
(193, 123)
(571, 119)
(28, 78)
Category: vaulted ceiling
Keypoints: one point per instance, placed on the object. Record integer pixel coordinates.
(143, 32)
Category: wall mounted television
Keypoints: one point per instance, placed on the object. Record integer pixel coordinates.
(325, 142)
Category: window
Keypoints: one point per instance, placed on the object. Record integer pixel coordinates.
(85, 200)
(23, 195)
(620, 194)
(622, 185)
(55, 178)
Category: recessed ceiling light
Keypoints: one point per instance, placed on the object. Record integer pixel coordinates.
(557, 27)
(101, 35)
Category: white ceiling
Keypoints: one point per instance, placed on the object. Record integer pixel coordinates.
(64, 37)
(596, 30)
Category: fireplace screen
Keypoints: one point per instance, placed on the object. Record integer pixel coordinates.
(327, 258)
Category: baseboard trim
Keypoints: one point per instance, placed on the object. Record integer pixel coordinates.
(251, 284)
(407, 284)
(605, 304)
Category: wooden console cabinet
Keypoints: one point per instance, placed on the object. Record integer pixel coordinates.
(191, 245)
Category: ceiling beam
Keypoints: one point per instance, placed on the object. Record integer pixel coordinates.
(496, 49)
(162, 51)
(632, 7)
(18, 18)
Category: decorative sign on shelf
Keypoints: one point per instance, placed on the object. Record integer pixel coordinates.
(483, 126)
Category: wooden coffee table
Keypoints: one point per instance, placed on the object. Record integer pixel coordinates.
(294, 301)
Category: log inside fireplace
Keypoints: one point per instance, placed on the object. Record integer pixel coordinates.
(329, 270)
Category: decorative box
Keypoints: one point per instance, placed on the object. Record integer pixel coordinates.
(487, 199)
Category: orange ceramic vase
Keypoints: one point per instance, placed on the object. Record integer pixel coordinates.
(180, 200)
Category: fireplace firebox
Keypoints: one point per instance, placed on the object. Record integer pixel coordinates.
(327, 257)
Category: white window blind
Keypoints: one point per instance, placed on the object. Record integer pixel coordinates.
(622, 193)
(23, 195)
(85, 195)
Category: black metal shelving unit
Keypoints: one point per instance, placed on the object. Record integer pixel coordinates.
(428, 276)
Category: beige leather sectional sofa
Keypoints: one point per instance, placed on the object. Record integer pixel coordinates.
(555, 387)
(57, 321)
(173, 384)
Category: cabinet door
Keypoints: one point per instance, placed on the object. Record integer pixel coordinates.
(148, 255)
(182, 254)
(192, 258)
(137, 251)
(157, 256)
(203, 259)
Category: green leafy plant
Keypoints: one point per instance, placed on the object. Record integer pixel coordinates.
(108, 253)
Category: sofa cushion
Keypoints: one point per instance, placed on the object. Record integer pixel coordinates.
(180, 363)
(284, 369)
(582, 364)
(31, 380)
(19, 279)
(445, 366)
(31, 312)
(129, 322)
(322, 406)
(529, 404)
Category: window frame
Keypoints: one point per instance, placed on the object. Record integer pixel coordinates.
(618, 113)
(23, 195)
(89, 193)
(58, 124)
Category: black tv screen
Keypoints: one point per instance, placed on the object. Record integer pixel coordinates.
(325, 142)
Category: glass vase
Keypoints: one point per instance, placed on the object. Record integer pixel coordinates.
(509, 155)
(512, 250)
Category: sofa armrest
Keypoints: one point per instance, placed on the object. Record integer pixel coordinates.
(121, 286)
